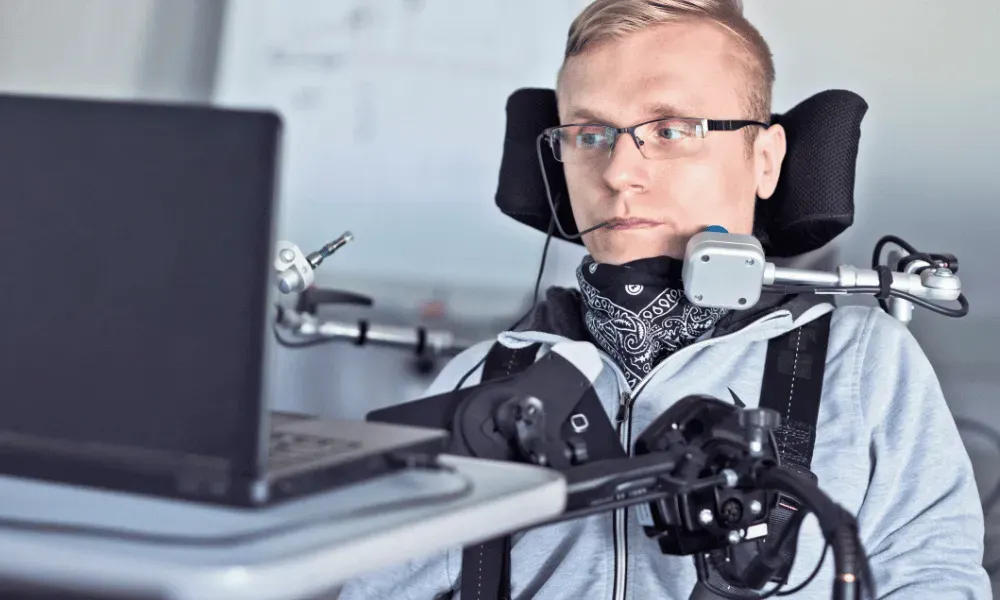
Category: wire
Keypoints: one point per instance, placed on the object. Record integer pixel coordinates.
(802, 586)
(791, 530)
(552, 204)
(889, 239)
(962, 311)
(241, 538)
(534, 299)
(913, 256)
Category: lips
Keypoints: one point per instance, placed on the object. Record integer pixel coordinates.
(631, 223)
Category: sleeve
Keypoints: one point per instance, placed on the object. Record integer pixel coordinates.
(432, 577)
(921, 521)
(426, 579)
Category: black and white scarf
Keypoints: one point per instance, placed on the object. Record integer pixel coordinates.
(638, 313)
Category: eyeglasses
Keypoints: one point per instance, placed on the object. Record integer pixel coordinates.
(672, 137)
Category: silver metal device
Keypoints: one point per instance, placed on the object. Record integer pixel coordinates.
(725, 270)
(722, 270)
(296, 271)
(431, 342)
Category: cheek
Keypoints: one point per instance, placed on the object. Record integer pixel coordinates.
(584, 191)
(709, 192)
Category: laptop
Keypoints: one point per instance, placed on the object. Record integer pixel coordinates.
(135, 319)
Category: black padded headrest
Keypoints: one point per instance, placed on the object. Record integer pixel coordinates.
(812, 205)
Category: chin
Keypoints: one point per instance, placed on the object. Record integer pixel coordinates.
(627, 255)
(620, 251)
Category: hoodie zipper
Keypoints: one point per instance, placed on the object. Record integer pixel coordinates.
(619, 521)
(623, 426)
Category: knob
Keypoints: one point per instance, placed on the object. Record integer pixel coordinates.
(576, 449)
(759, 418)
(289, 281)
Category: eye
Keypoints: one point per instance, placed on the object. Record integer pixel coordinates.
(589, 139)
(670, 132)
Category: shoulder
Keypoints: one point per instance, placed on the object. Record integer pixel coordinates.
(875, 335)
(890, 375)
(560, 312)
(468, 362)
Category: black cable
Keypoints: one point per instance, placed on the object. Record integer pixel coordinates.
(962, 311)
(902, 264)
(838, 526)
(791, 530)
(534, 299)
(889, 239)
(916, 256)
(552, 204)
(877, 257)
(802, 586)
(241, 538)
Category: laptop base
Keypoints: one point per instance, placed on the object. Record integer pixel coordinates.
(208, 480)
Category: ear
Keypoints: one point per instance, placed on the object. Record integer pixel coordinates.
(769, 152)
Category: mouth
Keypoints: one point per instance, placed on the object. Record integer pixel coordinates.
(631, 223)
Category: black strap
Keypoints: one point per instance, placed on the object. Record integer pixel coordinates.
(793, 386)
(486, 566)
(884, 282)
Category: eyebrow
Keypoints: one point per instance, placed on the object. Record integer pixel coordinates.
(653, 111)
(660, 110)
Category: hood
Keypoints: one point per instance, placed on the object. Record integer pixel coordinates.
(560, 313)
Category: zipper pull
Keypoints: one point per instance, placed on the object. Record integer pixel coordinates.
(622, 407)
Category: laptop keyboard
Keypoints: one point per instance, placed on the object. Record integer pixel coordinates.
(291, 448)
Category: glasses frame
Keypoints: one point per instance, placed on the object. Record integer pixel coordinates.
(706, 125)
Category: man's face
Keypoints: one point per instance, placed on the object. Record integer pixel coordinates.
(676, 70)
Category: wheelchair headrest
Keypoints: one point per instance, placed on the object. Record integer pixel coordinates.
(812, 204)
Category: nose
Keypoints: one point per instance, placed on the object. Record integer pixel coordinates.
(626, 169)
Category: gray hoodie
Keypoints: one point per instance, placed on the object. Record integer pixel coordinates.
(887, 449)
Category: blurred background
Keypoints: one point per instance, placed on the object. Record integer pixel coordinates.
(394, 119)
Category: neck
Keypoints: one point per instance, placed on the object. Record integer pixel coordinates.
(637, 312)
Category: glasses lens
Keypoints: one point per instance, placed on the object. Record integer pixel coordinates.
(582, 143)
(669, 138)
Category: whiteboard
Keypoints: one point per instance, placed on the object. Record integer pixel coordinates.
(394, 122)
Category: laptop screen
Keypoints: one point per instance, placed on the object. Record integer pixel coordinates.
(136, 255)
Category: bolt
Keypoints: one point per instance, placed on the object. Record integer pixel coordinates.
(732, 512)
(750, 262)
(705, 516)
(697, 297)
(755, 507)
(735, 537)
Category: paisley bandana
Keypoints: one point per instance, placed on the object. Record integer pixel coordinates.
(638, 313)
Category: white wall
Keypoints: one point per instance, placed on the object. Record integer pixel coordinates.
(928, 156)
(162, 49)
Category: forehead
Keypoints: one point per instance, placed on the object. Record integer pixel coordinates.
(692, 67)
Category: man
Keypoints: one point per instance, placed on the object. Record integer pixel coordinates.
(886, 446)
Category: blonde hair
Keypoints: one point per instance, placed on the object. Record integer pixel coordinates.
(614, 19)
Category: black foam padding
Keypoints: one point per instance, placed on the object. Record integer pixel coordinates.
(812, 205)
(814, 200)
